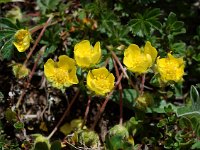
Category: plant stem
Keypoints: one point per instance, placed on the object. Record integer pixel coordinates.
(105, 102)
(64, 115)
(142, 84)
(120, 94)
(86, 111)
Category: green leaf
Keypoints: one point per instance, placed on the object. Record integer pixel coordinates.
(47, 5)
(178, 48)
(19, 125)
(145, 23)
(194, 94)
(4, 34)
(196, 145)
(41, 146)
(128, 95)
(174, 27)
(10, 115)
(195, 108)
(7, 50)
(6, 23)
(192, 112)
(56, 145)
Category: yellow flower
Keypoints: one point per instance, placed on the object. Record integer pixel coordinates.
(137, 60)
(101, 81)
(62, 73)
(22, 40)
(86, 55)
(170, 68)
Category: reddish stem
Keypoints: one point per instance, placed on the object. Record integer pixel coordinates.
(142, 85)
(105, 102)
(120, 94)
(86, 111)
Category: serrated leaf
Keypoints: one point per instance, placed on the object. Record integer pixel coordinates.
(47, 5)
(178, 48)
(4, 34)
(6, 23)
(154, 13)
(144, 24)
(7, 49)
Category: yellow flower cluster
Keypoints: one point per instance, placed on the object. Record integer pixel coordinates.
(170, 68)
(62, 74)
(137, 60)
(22, 39)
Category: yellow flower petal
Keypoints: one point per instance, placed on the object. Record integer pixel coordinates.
(149, 49)
(96, 55)
(62, 62)
(49, 67)
(22, 40)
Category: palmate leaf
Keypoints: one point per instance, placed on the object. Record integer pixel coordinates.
(143, 24)
(7, 31)
(7, 24)
(173, 26)
(46, 5)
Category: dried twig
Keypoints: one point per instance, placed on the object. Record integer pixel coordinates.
(64, 115)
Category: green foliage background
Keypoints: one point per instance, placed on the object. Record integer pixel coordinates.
(167, 119)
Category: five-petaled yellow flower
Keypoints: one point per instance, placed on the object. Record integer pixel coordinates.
(86, 55)
(138, 60)
(101, 81)
(22, 40)
(170, 68)
(62, 73)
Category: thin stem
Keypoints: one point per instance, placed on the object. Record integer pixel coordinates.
(142, 84)
(64, 115)
(37, 40)
(120, 95)
(105, 102)
(86, 111)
